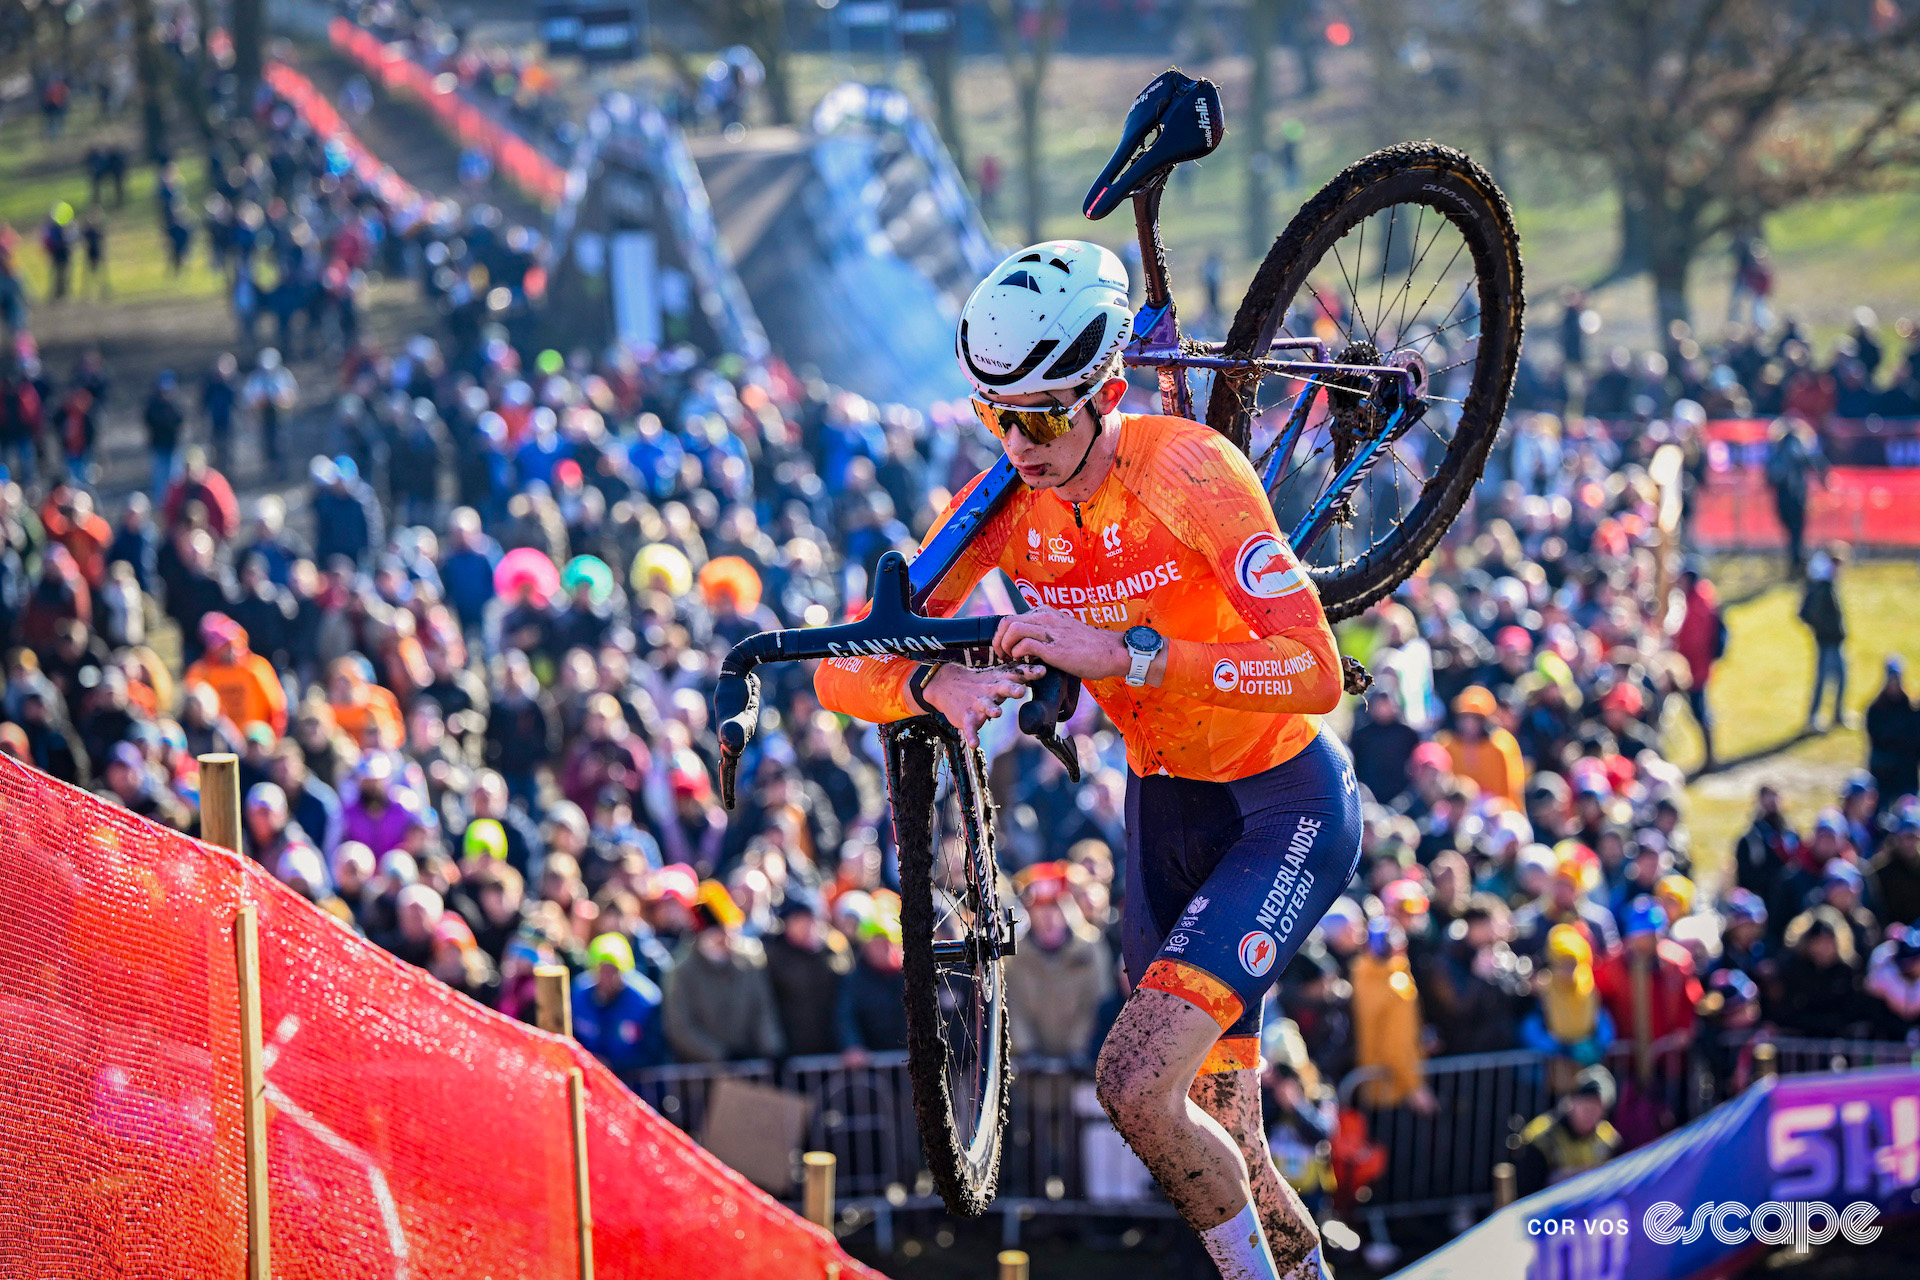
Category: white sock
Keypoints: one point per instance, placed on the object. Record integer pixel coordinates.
(1310, 1267)
(1239, 1247)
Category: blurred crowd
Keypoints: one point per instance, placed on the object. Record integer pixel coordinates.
(467, 667)
(1756, 369)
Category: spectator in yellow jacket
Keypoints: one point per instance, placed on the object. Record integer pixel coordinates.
(1386, 1021)
(247, 685)
(1480, 749)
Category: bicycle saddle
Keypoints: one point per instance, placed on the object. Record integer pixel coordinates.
(1175, 118)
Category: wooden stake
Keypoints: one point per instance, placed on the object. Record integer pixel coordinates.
(1506, 1185)
(220, 825)
(1766, 1060)
(1013, 1264)
(577, 1103)
(553, 999)
(253, 1090)
(220, 800)
(819, 1188)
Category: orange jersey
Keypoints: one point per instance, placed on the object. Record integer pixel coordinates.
(1179, 537)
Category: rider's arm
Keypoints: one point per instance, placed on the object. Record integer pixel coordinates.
(1208, 495)
(875, 689)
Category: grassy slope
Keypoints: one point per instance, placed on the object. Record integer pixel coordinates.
(1829, 256)
(152, 321)
(1761, 688)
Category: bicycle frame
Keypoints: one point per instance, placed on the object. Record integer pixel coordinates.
(1157, 345)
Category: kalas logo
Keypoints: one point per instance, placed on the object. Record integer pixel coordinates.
(1225, 675)
(1257, 951)
(1266, 570)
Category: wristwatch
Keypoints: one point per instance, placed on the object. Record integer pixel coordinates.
(1143, 646)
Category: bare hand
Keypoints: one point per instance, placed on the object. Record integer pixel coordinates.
(1062, 641)
(970, 696)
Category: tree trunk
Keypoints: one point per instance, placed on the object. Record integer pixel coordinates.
(1261, 23)
(1634, 250)
(770, 46)
(946, 108)
(146, 52)
(249, 31)
(1672, 242)
(1030, 178)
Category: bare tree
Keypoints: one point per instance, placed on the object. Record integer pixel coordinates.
(760, 25)
(1263, 20)
(1027, 31)
(1709, 115)
(151, 74)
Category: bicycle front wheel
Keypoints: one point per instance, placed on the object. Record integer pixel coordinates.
(1409, 257)
(954, 933)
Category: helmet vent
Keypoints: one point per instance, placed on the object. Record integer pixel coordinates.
(1081, 351)
(1022, 280)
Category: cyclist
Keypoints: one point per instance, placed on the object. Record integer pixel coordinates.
(1158, 576)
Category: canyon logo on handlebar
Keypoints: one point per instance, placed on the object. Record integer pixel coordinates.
(882, 646)
(890, 629)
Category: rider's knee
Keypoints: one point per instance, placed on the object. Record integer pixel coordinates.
(1127, 1086)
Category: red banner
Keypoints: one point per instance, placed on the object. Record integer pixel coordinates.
(512, 156)
(411, 1132)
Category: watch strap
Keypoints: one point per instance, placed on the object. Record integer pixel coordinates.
(917, 686)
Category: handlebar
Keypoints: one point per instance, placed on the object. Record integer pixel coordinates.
(891, 627)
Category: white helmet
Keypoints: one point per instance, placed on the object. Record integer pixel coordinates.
(1046, 318)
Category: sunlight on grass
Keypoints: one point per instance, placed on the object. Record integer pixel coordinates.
(36, 174)
(1761, 689)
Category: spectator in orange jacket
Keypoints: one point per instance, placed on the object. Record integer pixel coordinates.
(359, 704)
(1649, 987)
(246, 683)
(71, 521)
(1481, 749)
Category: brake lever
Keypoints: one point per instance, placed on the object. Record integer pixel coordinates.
(736, 703)
(1054, 697)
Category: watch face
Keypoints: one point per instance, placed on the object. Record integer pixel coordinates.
(1142, 639)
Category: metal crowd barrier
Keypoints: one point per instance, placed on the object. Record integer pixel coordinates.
(1061, 1156)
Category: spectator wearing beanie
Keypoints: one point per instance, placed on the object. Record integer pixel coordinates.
(616, 1011)
(1819, 977)
(806, 962)
(1481, 750)
(1571, 1026)
(1060, 973)
(1649, 986)
(873, 1011)
(1386, 1021)
(247, 685)
(718, 1002)
(1572, 1138)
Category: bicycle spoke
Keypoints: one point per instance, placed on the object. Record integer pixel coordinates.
(1386, 258)
(1442, 276)
(1353, 294)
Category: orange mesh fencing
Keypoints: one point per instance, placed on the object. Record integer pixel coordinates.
(411, 1133)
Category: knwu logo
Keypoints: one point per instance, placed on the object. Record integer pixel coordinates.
(1059, 549)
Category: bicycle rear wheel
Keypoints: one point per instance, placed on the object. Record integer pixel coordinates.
(954, 934)
(1437, 291)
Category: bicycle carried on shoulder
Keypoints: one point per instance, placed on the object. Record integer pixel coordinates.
(1374, 417)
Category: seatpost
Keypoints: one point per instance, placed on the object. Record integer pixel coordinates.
(1153, 251)
(1163, 333)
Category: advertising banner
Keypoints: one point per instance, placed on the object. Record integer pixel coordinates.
(1792, 1163)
